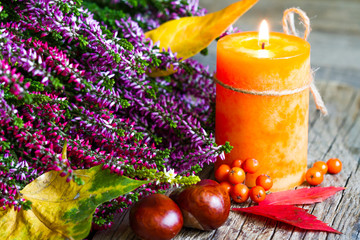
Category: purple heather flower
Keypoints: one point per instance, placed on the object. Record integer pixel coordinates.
(94, 93)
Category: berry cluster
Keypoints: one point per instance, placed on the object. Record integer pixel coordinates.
(315, 175)
(232, 179)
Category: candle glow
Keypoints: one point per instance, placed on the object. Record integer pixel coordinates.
(264, 34)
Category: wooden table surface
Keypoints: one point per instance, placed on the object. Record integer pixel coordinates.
(336, 135)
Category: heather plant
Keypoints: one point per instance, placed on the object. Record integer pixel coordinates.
(77, 73)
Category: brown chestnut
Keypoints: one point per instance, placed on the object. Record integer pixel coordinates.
(156, 217)
(205, 206)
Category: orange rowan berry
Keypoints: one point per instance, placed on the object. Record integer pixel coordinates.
(264, 181)
(222, 173)
(257, 194)
(334, 165)
(251, 165)
(314, 176)
(237, 163)
(322, 166)
(226, 185)
(239, 193)
(236, 175)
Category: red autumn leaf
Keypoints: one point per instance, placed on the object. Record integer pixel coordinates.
(295, 216)
(300, 196)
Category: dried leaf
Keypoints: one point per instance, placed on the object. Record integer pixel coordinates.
(187, 36)
(292, 215)
(300, 196)
(62, 210)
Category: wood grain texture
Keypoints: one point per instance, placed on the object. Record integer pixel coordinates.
(337, 135)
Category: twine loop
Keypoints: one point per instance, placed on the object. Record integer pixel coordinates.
(262, 93)
(289, 28)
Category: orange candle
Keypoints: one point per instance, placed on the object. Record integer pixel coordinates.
(269, 122)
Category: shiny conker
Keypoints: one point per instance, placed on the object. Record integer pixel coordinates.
(205, 206)
(156, 217)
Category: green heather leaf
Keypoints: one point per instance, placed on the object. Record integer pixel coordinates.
(62, 210)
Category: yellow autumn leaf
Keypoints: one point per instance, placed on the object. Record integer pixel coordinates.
(62, 210)
(187, 36)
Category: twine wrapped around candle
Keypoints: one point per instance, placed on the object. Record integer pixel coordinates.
(288, 16)
(263, 93)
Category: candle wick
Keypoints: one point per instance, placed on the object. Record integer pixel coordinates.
(263, 45)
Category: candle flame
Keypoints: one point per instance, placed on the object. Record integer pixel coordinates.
(264, 34)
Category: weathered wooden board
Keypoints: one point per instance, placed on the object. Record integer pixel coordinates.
(337, 135)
